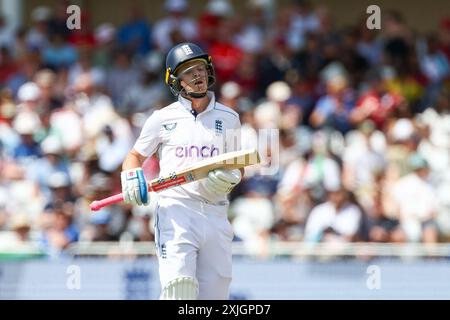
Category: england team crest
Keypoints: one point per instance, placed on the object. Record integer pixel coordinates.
(218, 127)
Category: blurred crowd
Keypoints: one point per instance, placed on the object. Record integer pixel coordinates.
(363, 118)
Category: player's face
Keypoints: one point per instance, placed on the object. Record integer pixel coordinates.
(194, 77)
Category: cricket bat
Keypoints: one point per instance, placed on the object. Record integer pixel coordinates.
(200, 170)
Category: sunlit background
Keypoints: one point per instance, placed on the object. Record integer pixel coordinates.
(360, 205)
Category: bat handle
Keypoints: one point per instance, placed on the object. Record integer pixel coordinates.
(97, 205)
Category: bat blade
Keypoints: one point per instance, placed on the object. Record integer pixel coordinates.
(230, 160)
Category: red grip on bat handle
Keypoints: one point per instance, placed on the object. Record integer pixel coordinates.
(97, 205)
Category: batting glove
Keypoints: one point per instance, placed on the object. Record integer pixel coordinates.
(222, 181)
(134, 186)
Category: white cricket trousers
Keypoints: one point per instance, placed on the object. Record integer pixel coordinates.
(194, 239)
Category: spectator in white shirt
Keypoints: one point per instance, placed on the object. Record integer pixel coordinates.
(336, 220)
(416, 202)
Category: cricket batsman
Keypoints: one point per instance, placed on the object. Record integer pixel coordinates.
(192, 232)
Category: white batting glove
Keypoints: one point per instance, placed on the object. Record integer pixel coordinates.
(134, 187)
(222, 181)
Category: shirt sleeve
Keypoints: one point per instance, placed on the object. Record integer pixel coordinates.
(150, 138)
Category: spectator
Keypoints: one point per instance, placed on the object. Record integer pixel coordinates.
(301, 101)
(58, 54)
(25, 124)
(434, 62)
(19, 238)
(6, 34)
(363, 164)
(46, 82)
(59, 231)
(29, 96)
(303, 20)
(96, 109)
(334, 109)
(355, 64)
(104, 39)
(397, 37)
(150, 92)
(41, 171)
(27, 67)
(377, 104)
(113, 145)
(21, 226)
(435, 144)
(230, 93)
(121, 77)
(37, 37)
(176, 27)
(60, 189)
(225, 54)
(336, 220)
(58, 20)
(84, 64)
(295, 198)
(135, 35)
(84, 36)
(368, 44)
(276, 65)
(444, 37)
(313, 172)
(7, 65)
(417, 218)
(435, 66)
(380, 227)
(247, 75)
(100, 221)
(402, 139)
(67, 125)
(19, 48)
(9, 139)
(405, 83)
(215, 11)
(253, 220)
(250, 37)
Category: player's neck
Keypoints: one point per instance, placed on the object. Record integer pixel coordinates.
(199, 104)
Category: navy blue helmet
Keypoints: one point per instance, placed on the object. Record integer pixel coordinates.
(181, 54)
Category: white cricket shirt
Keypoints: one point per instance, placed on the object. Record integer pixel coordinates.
(181, 139)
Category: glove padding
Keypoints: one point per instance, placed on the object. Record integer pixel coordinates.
(222, 181)
(134, 186)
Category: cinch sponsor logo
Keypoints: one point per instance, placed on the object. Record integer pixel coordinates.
(195, 151)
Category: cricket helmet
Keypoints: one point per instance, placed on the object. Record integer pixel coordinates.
(181, 54)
